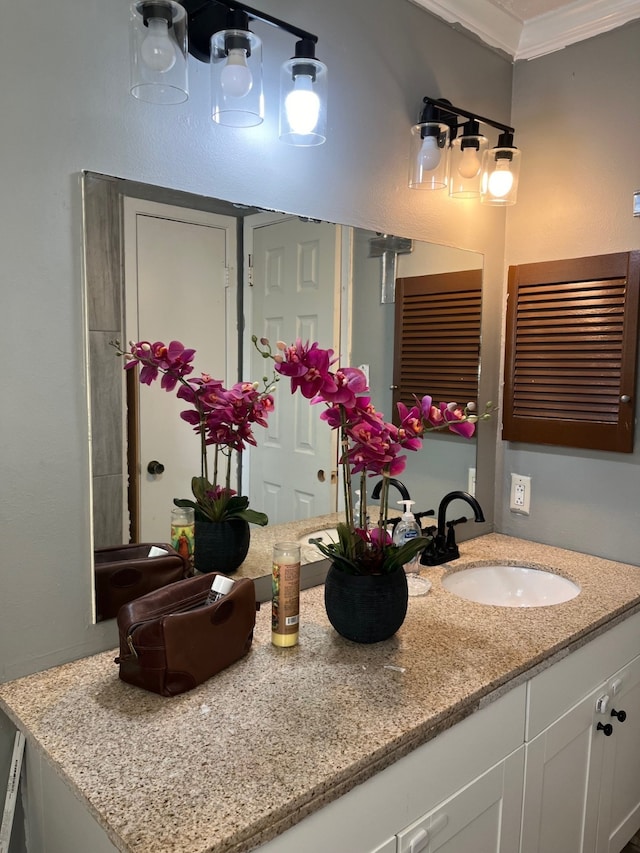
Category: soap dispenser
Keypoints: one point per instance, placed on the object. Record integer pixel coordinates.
(406, 529)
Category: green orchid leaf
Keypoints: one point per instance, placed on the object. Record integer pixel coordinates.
(252, 516)
(236, 504)
(399, 555)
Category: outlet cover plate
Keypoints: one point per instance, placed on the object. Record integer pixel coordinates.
(520, 498)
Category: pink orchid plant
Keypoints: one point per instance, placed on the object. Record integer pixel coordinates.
(223, 418)
(369, 446)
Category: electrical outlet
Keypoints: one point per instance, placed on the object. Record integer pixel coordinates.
(471, 483)
(365, 369)
(520, 499)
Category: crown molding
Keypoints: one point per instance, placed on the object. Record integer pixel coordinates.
(570, 24)
(492, 24)
(538, 36)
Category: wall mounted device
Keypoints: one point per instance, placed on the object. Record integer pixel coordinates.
(448, 152)
(164, 32)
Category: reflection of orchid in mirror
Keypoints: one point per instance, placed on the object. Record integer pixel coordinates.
(222, 417)
(369, 446)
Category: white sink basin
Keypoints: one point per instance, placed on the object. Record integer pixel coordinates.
(308, 552)
(510, 586)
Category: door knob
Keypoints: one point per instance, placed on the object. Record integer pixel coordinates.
(621, 715)
(155, 467)
(607, 728)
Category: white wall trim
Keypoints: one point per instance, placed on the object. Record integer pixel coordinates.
(493, 25)
(540, 35)
(574, 23)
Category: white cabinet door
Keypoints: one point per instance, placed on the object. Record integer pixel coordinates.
(562, 782)
(388, 847)
(483, 816)
(620, 789)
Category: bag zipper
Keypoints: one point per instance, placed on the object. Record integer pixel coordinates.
(165, 611)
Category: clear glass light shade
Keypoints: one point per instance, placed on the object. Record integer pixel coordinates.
(237, 99)
(158, 48)
(500, 173)
(303, 102)
(465, 174)
(429, 157)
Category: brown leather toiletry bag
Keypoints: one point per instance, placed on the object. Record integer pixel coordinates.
(171, 640)
(125, 572)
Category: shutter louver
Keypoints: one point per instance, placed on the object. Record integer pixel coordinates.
(571, 350)
(437, 337)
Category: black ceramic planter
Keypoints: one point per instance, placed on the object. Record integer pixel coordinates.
(366, 608)
(221, 546)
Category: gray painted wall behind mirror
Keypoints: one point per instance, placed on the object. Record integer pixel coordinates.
(395, 57)
(441, 466)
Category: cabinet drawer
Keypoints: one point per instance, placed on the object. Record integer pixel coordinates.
(557, 689)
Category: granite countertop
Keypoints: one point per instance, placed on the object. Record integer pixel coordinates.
(283, 732)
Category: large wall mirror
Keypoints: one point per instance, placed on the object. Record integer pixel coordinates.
(145, 261)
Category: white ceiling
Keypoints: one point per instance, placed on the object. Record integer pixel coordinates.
(525, 29)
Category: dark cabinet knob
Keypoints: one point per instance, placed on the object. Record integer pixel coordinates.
(621, 715)
(607, 728)
(155, 467)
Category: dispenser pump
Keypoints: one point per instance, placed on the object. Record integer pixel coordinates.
(407, 515)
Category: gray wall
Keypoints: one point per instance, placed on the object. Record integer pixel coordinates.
(578, 122)
(65, 107)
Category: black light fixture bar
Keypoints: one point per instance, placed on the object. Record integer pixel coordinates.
(209, 16)
(447, 107)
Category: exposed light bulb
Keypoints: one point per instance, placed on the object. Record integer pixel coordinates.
(469, 165)
(500, 180)
(157, 50)
(302, 106)
(236, 78)
(430, 154)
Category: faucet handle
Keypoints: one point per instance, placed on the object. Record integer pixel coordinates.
(420, 515)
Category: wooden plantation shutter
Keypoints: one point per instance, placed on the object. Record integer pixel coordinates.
(571, 349)
(437, 337)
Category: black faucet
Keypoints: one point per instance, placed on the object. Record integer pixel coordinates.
(442, 547)
(375, 494)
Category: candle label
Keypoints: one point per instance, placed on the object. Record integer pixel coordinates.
(183, 540)
(285, 598)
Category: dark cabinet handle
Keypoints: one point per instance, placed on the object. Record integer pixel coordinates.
(155, 467)
(621, 715)
(607, 728)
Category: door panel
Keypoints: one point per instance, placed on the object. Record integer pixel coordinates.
(620, 792)
(293, 296)
(176, 264)
(562, 783)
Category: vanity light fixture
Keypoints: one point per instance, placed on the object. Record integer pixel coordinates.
(158, 47)
(448, 152)
(217, 32)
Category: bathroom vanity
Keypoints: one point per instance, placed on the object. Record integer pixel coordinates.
(474, 728)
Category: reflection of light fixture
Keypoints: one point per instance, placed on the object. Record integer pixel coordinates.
(158, 40)
(442, 158)
(217, 32)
